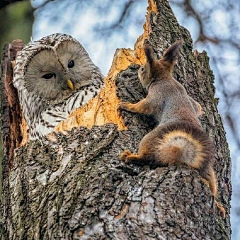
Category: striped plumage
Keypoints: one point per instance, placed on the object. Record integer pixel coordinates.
(54, 76)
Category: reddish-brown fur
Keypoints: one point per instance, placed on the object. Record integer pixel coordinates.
(179, 137)
(172, 155)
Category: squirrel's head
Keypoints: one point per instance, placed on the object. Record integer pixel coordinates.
(158, 69)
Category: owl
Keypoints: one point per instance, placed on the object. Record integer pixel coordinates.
(53, 77)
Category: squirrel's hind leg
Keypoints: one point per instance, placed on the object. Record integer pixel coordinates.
(129, 157)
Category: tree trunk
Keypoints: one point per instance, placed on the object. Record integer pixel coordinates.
(74, 187)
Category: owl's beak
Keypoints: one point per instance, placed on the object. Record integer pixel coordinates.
(70, 84)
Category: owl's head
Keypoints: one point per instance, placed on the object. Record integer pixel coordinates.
(55, 66)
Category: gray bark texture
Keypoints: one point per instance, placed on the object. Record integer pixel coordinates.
(76, 188)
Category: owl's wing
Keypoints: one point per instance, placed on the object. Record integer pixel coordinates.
(52, 116)
(47, 121)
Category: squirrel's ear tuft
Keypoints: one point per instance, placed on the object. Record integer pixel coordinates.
(171, 53)
(149, 52)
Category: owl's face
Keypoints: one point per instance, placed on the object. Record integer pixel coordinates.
(58, 69)
(53, 77)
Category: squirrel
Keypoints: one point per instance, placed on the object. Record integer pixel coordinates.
(179, 137)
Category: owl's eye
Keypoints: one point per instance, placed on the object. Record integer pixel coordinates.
(71, 64)
(142, 69)
(49, 75)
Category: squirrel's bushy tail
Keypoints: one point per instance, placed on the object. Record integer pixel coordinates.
(192, 147)
(183, 143)
(179, 146)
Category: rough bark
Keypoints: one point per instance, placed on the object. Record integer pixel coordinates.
(11, 112)
(75, 187)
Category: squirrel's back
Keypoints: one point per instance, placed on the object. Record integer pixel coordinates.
(171, 103)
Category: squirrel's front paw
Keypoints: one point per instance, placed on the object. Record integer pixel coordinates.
(122, 106)
(124, 156)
